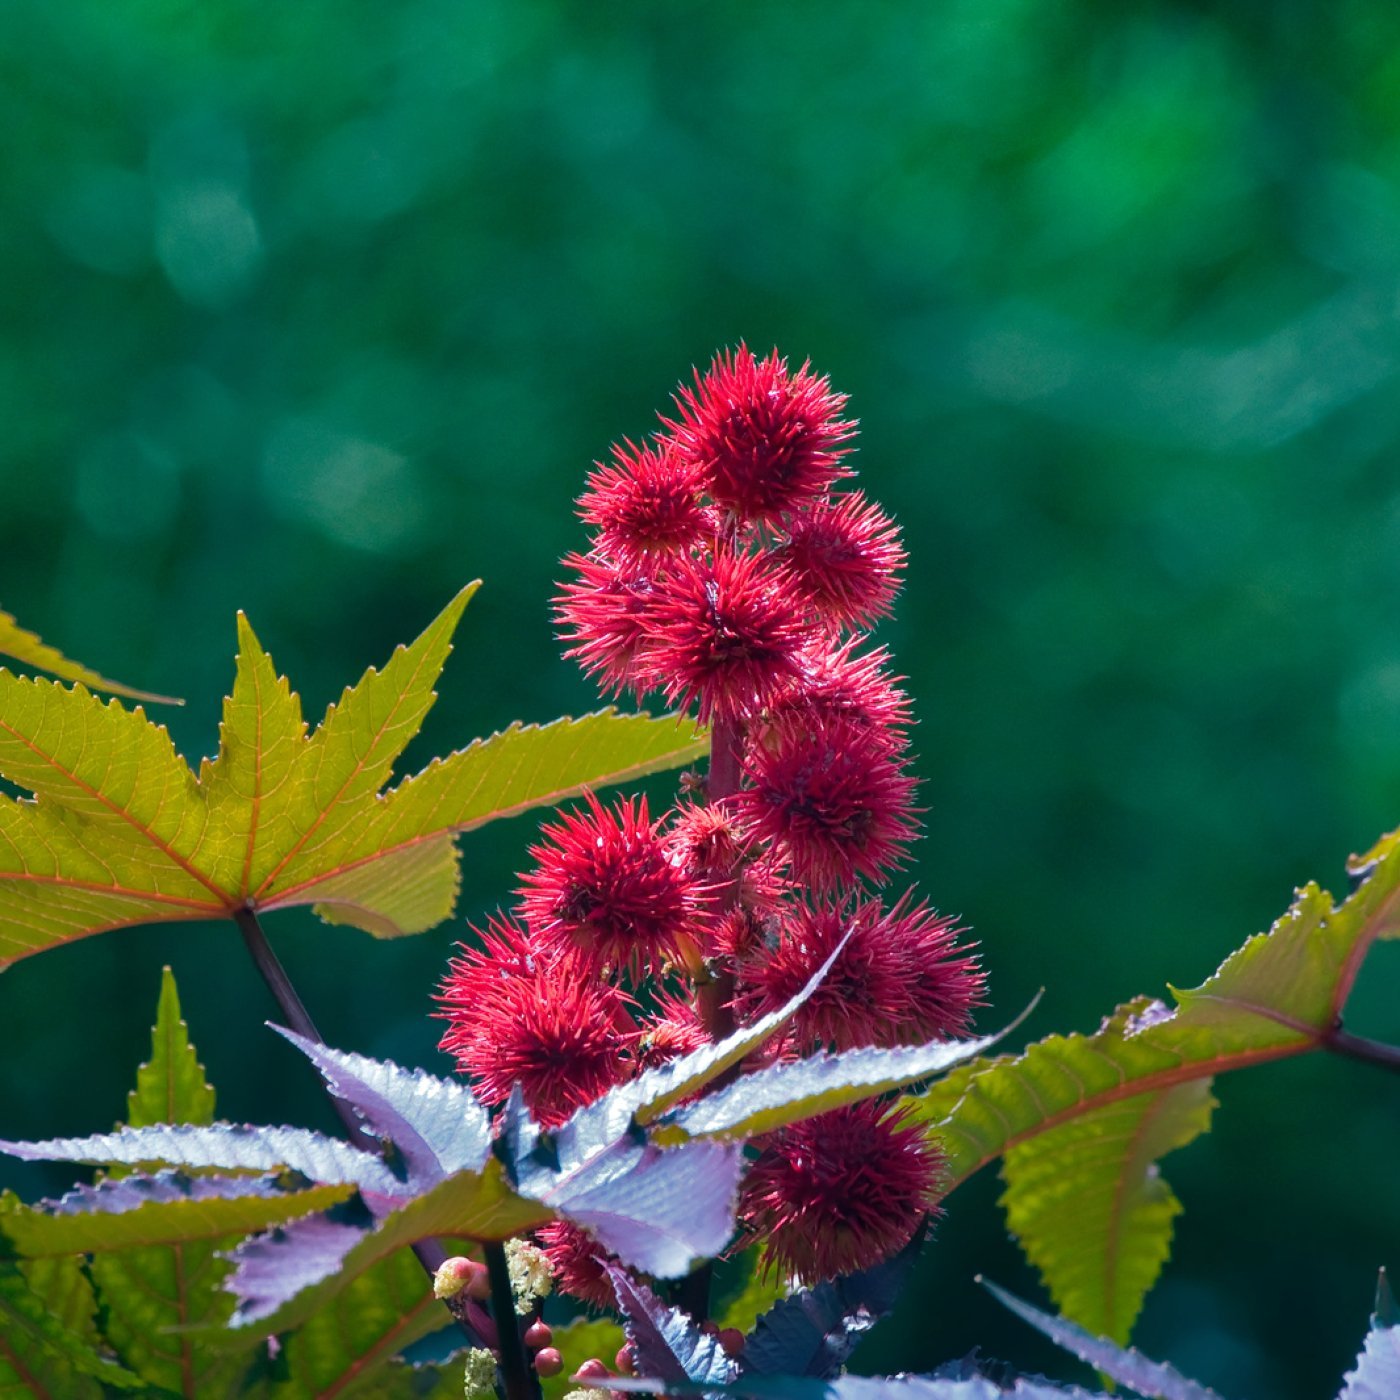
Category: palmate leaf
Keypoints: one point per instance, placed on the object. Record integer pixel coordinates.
(122, 832)
(1081, 1120)
(26, 647)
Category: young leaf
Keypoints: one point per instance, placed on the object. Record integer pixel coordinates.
(1083, 1118)
(666, 1343)
(170, 1086)
(1151, 1379)
(124, 832)
(26, 647)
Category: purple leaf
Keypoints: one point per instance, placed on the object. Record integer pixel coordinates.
(814, 1331)
(792, 1090)
(972, 1387)
(1128, 1366)
(437, 1125)
(657, 1210)
(117, 1195)
(272, 1268)
(314, 1155)
(665, 1342)
(1376, 1375)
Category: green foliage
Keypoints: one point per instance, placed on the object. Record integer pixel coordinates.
(1080, 1121)
(26, 647)
(125, 833)
(342, 1348)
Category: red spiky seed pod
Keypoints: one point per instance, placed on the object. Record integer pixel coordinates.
(535, 1021)
(845, 559)
(840, 683)
(860, 1000)
(900, 979)
(840, 1192)
(723, 634)
(766, 440)
(674, 1030)
(603, 620)
(605, 885)
(831, 799)
(645, 506)
(578, 1263)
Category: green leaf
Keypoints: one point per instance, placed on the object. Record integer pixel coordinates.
(123, 832)
(1081, 1120)
(579, 1341)
(170, 1086)
(39, 1356)
(26, 647)
(343, 1349)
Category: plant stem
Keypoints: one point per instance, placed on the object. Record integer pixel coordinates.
(714, 997)
(519, 1380)
(1358, 1047)
(429, 1252)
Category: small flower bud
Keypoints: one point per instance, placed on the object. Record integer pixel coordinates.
(452, 1276)
(538, 1334)
(548, 1361)
(625, 1362)
(592, 1370)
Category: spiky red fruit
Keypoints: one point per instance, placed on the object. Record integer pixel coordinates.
(516, 1015)
(724, 634)
(861, 996)
(674, 1030)
(842, 1191)
(831, 798)
(766, 440)
(840, 683)
(606, 885)
(603, 619)
(578, 1263)
(845, 559)
(900, 979)
(645, 506)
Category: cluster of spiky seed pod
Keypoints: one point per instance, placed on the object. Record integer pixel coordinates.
(731, 572)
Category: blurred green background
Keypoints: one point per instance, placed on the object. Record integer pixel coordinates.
(319, 310)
